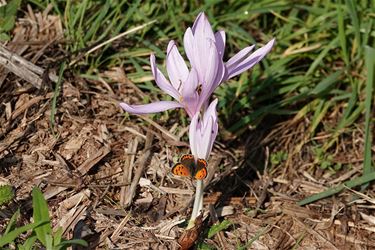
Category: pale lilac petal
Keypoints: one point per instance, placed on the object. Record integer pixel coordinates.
(200, 43)
(198, 20)
(198, 58)
(214, 131)
(221, 70)
(220, 73)
(151, 107)
(211, 125)
(176, 66)
(161, 81)
(239, 57)
(193, 131)
(206, 141)
(191, 84)
(190, 97)
(212, 74)
(209, 70)
(220, 42)
(202, 27)
(202, 132)
(250, 61)
(210, 111)
(189, 44)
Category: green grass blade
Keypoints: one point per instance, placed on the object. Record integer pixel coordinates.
(370, 65)
(54, 98)
(334, 190)
(49, 241)
(368, 32)
(320, 57)
(354, 16)
(326, 83)
(40, 213)
(344, 121)
(102, 14)
(12, 235)
(29, 243)
(12, 222)
(57, 237)
(319, 114)
(72, 242)
(218, 227)
(256, 237)
(342, 35)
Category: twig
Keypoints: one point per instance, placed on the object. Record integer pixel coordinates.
(23, 68)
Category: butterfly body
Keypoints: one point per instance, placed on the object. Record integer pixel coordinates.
(189, 167)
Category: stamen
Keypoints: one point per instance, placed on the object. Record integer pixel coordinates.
(199, 89)
(179, 86)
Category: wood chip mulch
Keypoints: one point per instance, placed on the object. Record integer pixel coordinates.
(107, 177)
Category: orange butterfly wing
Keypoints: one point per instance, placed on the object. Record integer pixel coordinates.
(201, 171)
(187, 167)
(181, 170)
(187, 160)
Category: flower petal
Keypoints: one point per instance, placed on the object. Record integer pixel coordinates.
(211, 126)
(161, 81)
(235, 68)
(193, 132)
(176, 66)
(239, 57)
(151, 107)
(212, 73)
(202, 132)
(202, 27)
(210, 111)
(220, 42)
(197, 42)
(208, 65)
(189, 44)
(190, 95)
(198, 19)
(206, 139)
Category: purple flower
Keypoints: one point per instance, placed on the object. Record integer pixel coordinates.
(203, 132)
(182, 86)
(205, 51)
(192, 88)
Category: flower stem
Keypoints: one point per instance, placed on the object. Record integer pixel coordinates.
(198, 204)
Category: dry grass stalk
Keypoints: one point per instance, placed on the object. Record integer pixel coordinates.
(128, 169)
(76, 199)
(73, 216)
(316, 234)
(120, 227)
(139, 171)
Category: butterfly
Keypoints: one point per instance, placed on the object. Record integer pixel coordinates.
(188, 167)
